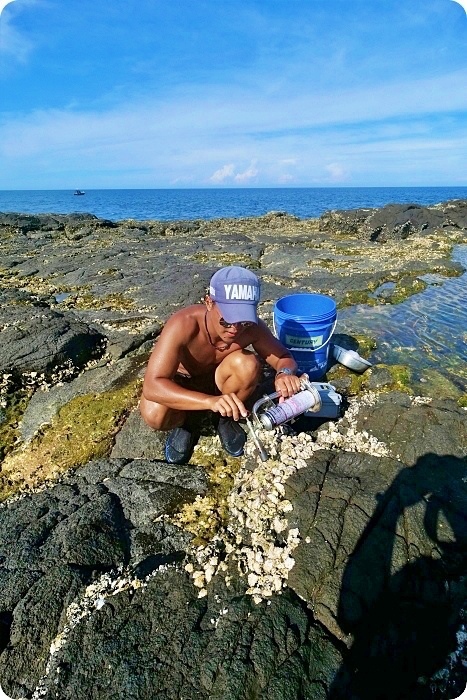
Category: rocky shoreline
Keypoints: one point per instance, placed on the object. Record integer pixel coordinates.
(336, 569)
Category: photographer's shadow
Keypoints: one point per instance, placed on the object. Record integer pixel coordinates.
(403, 615)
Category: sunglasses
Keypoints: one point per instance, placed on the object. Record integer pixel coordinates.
(237, 324)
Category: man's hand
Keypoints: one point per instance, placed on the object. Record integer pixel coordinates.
(287, 384)
(229, 406)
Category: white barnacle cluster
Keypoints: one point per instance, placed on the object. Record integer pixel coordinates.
(351, 440)
(64, 372)
(98, 360)
(133, 325)
(257, 539)
(11, 324)
(421, 400)
(34, 380)
(5, 384)
(260, 543)
(343, 434)
(94, 598)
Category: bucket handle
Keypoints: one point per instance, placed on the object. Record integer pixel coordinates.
(320, 347)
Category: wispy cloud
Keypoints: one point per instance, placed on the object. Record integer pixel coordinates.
(304, 107)
(157, 143)
(14, 43)
(463, 4)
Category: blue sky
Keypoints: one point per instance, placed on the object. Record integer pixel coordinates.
(232, 93)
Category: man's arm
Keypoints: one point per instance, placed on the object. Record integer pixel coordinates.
(158, 385)
(279, 358)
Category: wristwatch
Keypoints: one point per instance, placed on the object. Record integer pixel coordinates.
(285, 370)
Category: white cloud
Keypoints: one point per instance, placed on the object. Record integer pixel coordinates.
(227, 171)
(249, 174)
(337, 172)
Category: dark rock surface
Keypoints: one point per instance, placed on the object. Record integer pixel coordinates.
(44, 405)
(54, 543)
(411, 431)
(95, 597)
(397, 221)
(163, 642)
(47, 341)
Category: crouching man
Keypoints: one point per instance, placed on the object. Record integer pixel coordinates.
(200, 362)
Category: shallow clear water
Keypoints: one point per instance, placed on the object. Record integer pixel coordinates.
(427, 332)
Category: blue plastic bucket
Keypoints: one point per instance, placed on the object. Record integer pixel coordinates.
(304, 323)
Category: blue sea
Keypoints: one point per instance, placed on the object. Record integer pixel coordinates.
(169, 205)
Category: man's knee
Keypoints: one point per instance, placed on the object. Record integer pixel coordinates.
(243, 364)
(160, 417)
(251, 364)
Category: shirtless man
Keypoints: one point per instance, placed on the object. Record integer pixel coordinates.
(200, 363)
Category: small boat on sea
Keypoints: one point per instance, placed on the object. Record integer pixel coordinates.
(78, 192)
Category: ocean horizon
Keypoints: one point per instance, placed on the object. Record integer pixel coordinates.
(213, 203)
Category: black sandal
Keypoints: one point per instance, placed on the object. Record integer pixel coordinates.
(232, 436)
(179, 445)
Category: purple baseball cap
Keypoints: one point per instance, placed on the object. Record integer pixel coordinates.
(236, 292)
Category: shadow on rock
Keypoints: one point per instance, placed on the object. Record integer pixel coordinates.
(403, 622)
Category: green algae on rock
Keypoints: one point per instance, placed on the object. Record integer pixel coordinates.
(207, 514)
(85, 300)
(12, 407)
(83, 430)
(401, 378)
